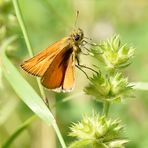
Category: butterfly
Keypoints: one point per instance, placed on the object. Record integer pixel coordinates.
(56, 64)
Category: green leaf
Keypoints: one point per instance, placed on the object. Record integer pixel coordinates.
(27, 93)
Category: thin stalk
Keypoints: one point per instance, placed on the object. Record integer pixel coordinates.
(22, 25)
(56, 128)
(23, 28)
(18, 131)
(27, 41)
(106, 106)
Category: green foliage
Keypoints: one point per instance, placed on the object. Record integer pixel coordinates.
(9, 27)
(97, 131)
(8, 22)
(99, 87)
(27, 93)
(113, 85)
(46, 24)
(108, 88)
(20, 129)
(23, 89)
(114, 55)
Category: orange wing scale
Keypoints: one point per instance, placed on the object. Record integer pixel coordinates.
(69, 75)
(38, 64)
(55, 74)
(55, 65)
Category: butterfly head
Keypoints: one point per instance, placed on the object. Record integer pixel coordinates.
(77, 35)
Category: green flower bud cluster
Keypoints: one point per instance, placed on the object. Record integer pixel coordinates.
(113, 54)
(110, 84)
(108, 88)
(97, 132)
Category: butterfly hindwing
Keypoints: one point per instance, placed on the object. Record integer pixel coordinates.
(55, 74)
(69, 74)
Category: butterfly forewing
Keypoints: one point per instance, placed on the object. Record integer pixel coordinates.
(39, 64)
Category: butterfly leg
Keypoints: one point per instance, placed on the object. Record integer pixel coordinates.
(83, 66)
(87, 51)
(82, 71)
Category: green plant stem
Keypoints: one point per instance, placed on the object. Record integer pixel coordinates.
(21, 22)
(106, 106)
(59, 135)
(28, 44)
(23, 28)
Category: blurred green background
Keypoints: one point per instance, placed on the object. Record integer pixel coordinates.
(48, 21)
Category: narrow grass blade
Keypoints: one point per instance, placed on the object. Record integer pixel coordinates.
(25, 91)
(28, 95)
(18, 131)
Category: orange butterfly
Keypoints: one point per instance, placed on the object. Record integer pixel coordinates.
(55, 65)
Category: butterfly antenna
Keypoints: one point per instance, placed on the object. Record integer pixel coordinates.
(76, 20)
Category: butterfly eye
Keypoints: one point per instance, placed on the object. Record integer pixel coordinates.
(76, 37)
